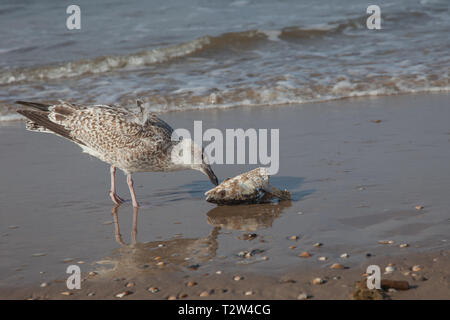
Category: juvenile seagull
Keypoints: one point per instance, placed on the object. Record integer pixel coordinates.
(132, 142)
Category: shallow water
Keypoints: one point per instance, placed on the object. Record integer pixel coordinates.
(181, 55)
(354, 182)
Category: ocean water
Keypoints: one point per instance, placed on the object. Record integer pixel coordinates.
(194, 54)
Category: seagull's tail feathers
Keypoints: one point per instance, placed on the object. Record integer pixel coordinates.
(36, 105)
(39, 121)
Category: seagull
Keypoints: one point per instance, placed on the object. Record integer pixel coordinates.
(128, 140)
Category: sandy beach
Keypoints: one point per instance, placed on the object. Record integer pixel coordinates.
(360, 171)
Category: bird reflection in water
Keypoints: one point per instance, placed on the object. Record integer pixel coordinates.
(170, 254)
(182, 253)
(246, 217)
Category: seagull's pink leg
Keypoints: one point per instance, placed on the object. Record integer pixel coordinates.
(112, 193)
(133, 195)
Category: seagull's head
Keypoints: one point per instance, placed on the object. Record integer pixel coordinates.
(188, 154)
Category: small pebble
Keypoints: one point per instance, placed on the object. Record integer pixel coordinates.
(204, 294)
(123, 294)
(194, 266)
(130, 284)
(302, 296)
(318, 281)
(389, 269)
(292, 247)
(293, 238)
(305, 254)
(237, 278)
(392, 290)
(161, 263)
(172, 298)
(13, 227)
(91, 294)
(248, 293)
(416, 268)
(218, 272)
(249, 236)
(44, 284)
(345, 255)
(92, 273)
(376, 121)
(337, 266)
(157, 258)
(386, 241)
(182, 295)
(66, 293)
(81, 262)
(317, 244)
(403, 245)
(153, 289)
(322, 258)
(191, 283)
(419, 207)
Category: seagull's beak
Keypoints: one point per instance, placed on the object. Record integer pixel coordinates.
(206, 169)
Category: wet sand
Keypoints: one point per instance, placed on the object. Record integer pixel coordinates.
(354, 182)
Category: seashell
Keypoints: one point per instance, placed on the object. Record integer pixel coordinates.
(204, 294)
(389, 269)
(318, 281)
(305, 254)
(317, 244)
(249, 187)
(153, 289)
(302, 296)
(123, 294)
(416, 268)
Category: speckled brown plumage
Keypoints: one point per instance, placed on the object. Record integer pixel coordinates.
(130, 141)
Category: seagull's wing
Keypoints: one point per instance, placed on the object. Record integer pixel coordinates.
(100, 127)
